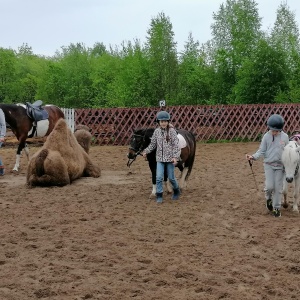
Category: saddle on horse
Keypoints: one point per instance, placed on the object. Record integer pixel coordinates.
(35, 111)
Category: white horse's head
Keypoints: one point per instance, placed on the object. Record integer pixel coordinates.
(291, 159)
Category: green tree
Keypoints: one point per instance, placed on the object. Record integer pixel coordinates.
(104, 70)
(293, 95)
(163, 64)
(224, 78)
(8, 62)
(285, 35)
(262, 77)
(98, 50)
(29, 68)
(236, 31)
(130, 82)
(51, 84)
(193, 82)
(76, 66)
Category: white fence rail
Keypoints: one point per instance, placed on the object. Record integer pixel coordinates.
(69, 117)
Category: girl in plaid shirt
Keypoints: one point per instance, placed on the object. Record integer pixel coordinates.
(165, 140)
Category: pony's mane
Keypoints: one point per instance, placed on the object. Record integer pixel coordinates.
(291, 145)
(145, 131)
(289, 153)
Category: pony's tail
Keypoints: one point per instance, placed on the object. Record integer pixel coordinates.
(193, 153)
(39, 162)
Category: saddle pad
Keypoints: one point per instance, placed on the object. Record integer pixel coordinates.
(41, 129)
(182, 142)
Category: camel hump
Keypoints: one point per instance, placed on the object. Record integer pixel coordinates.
(40, 162)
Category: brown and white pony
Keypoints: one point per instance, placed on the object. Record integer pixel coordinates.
(141, 138)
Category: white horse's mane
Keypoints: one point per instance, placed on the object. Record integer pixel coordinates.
(290, 156)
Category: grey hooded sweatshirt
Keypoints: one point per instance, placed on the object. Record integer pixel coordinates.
(271, 148)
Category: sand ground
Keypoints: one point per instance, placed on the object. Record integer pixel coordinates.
(103, 238)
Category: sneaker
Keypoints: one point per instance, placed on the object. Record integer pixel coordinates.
(269, 205)
(276, 213)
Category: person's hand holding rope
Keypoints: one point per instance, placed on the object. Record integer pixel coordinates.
(249, 157)
(250, 160)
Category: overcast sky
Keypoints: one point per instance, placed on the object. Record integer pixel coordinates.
(47, 25)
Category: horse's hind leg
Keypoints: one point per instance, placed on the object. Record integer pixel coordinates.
(168, 187)
(167, 184)
(26, 149)
(182, 181)
(152, 167)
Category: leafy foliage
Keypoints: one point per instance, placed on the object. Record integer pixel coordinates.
(262, 76)
(240, 64)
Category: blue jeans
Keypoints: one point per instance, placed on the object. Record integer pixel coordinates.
(160, 175)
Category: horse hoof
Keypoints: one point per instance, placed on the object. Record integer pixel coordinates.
(285, 205)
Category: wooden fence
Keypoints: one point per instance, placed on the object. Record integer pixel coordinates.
(114, 126)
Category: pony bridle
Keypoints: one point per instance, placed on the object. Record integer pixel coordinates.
(137, 151)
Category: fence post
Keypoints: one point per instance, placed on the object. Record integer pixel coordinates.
(69, 117)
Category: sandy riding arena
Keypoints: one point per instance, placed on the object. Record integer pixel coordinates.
(102, 238)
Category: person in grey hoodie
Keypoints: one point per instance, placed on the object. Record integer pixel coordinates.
(2, 137)
(166, 142)
(271, 149)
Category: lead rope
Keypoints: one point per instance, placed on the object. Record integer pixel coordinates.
(130, 161)
(250, 164)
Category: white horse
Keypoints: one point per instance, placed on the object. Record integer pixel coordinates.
(291, 160)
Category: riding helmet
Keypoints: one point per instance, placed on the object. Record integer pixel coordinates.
(275, 122)
(163, 116)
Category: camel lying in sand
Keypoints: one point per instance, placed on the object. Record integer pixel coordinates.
(60, 161)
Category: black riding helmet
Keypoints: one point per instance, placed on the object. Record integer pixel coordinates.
(163, 116)
(275, 122)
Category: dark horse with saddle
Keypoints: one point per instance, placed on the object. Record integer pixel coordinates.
(140, 140)
(30, 120)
